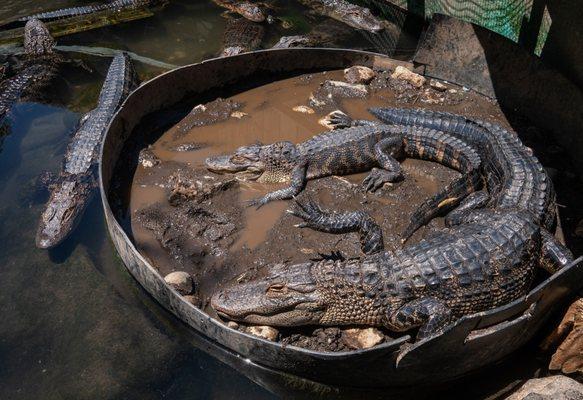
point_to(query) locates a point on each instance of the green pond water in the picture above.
(74, 324)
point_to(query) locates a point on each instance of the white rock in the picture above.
(556, 387)
(435, 84)
(303, 109)
(409, 76)
(359, 74)
(181, 281)
(362, 338)
(265, 332)
(238, 114)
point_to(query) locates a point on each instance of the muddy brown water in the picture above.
(267, 236)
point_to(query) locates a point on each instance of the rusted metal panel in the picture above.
(458, 351)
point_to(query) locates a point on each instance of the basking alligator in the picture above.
(486, 259)
(241, 36)
(345, 151)
(341, 10)
(515, 179)
(64, 13)
(77, 180)
(38, 68)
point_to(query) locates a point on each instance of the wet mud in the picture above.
(185, 218)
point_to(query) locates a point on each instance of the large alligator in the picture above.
(345, 151)
(40, 64)
(241, 36)
(487, 257)
(64, 13)
(351, 14)
(77, 180)
(515, 179)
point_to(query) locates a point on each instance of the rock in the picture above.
(344, 89)
(233, 325)
(181, 281)
(435, 84)
(147, 158)
(265, 332)
(239, 114)
(359, 74)
(568, 357)
(404, 74)
(550, 388)
(303, 109)
(362, 338)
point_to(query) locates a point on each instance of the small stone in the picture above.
(238, 114)
(181, 281)
(147, 158)
(404, 74)
(435, 84)
(359, 74)
(556, 387)
(303, 109)
(265, 332)
(362, 338)
(233, 325)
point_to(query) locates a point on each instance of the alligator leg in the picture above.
(297, 184)
(474, 200)
(339, 119)
(554, 255)
(429, 314)
(391, 168)
(442, 202)
(371, 235)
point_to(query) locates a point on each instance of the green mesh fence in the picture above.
(506, 17)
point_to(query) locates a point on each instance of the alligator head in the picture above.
(314, 293)
(287, 296)
(269, 163)
(62, 213)
(250, 11)
(37, 38)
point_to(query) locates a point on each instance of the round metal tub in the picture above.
(474, 342)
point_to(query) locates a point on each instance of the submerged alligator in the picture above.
(77, 180)
(486, 258)
(64, 13)
(351, 14)
(247, 10)
(39, 66)
(241, 36)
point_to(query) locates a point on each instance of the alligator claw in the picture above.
(338, 119)
(377, 178)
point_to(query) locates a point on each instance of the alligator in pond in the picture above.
(65, 13)
(348, 151)
(485, 259)
(329, 33)
(246, 9)
(40, 65)
(341, 10)
(78, 179)
(241, 36)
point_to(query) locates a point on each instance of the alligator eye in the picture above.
(276, 288)
(237, 159)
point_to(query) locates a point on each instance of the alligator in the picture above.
(515, 179)
(487, 261)
(40, 65)
(247, 10)
(341, 10)
(484, 259)
(346, 151)
(78, 178)
(328, 33)
(241, 36)
(65, 13)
